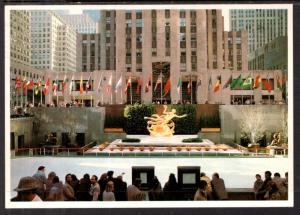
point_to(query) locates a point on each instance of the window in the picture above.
(167, 14)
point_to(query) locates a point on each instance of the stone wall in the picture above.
(22, 126)
(231, 116)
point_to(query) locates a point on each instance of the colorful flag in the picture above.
(71, 83)
(228, 82)
(284, 80)
(218, 84)
(18, 83)
(257, 81)
(28, 84)
(108, 87)
(47, 84)
(167, 86)
(88, 84)
(209, 83)
(189, 86)
(118, 85)
(238, 82)
(147, 87)
(54, 87)
(81, 85)
(158, 81)
(128, 84)
(179, 83)
(37, 87)
(279, 84)
(267, 85)
(139, 84)
(64, 84)
(247, 84)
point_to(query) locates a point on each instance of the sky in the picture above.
(225, 13)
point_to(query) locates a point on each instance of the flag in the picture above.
(218, 84)
(284, 80)
(54, 87)
(29, 83)
(108, 87)
(257, 82)
(139, 84)
(189, 86)
(64, 84)
(88, 84)
(18, 83)
(267, 85)
(247, 84)
(209, 83)
(147, 87)
(71, 83)
(238, 82)
(228, 82)
(47, 84)
(279, 84)
(128, 84)
(167, 86)
(37, 87)
(119, 83)
(179, 83)
(158, 81)
(81, 85)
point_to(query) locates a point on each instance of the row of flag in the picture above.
(237, 83)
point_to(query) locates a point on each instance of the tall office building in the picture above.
(53, 42)
(81, 23)
(262, 25)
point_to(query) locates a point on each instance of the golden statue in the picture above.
(162, 125)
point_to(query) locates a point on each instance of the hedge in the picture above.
(210, 121)
(114, 122)
(131, 140)
(188, 124)
(134, 118)
(192, 140)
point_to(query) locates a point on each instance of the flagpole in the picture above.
(41, 96)
(221, 89)
(161, 87)
(130, 91)
(121, 88)
(191, 89)
(33, 97)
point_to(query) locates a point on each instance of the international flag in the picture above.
(158, 81)
(37, 87)
(279, 84)
(228, 83)
(257, 81)
(189, 86)
(267, 85)
(47, 84)
(81, 85)
(247, 84)
(28, 84)
(54, 87)
(71, 83)
(108, 87)
(18, 83)
(88, 84)
(179, 83)
(217, 84)
(147, 87)
(139, 84)
(238, 82)
(118, 85)
(64, 84)
(167, 86)
(128, 84)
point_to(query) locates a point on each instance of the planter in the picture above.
(131, 149)
(142, 149)
(179, 149)
(151, 148)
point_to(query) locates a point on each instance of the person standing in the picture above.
(265, 187)
(171, 189)
(218, 188)
(41, 177)
(257, 185)
(134, 193)
(95, 188)
(108, 194)
(49, 183)
(27, 190)
(120, 189)
(68, 190)
(201, 193)
(102, 183)
(280, 183)
(84, 188)
(204, 177)
(56, 192)
(155, 193)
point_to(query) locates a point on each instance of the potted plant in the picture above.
(151, 148)
(169, 148)
(131, 148)
(179, 148)
(142, 148)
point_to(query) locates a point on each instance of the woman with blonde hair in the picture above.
(108, 194)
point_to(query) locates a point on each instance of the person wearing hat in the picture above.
(41, 178)
(26, 189)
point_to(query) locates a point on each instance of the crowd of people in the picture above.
(109, 188)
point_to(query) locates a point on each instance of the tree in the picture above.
(253, 123)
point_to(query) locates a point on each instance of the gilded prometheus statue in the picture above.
(162, 125)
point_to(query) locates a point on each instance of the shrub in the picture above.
(188, 124)
(131, 140)
(192, 140)
(210, 121)
(134, 118)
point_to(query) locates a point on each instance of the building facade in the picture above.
(272, 55)
(95, 15)
(88, 52)
(53, 42)
(262, 25)
(81, 23)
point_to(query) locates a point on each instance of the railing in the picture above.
(150, 151)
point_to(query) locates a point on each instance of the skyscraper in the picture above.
(262, 25)
(81, 23)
